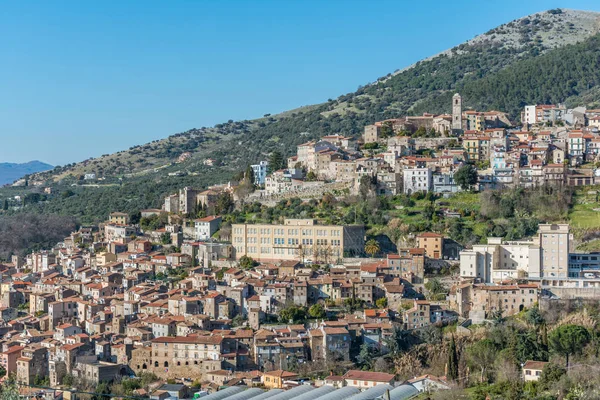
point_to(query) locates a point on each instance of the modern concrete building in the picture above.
(545, 256)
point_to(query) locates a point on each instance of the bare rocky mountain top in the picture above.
(547, 29)
(553, 28)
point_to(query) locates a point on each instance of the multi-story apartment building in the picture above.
(417, 180)
(330, 342)
(41, 261)
(8, 359)
(206, 227)
(543, 113)
(118, 218)
(576, 144)
(432, 243)
(477, 146)
(554, 243)
(297, 239)
(32, 363)
(419, 316)
(408, 264)
(307, 153)
(475, 120)
(260, 172)
(59, 311)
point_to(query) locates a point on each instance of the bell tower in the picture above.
(457, 112)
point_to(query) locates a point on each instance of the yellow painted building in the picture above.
(297, 239)
(118, 218)
(471, 145)
(275, 379)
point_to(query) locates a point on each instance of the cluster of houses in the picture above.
(118, 300)
(554, 145)
(112, 301)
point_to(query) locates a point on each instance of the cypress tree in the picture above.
(452, 361)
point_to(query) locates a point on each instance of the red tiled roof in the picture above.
(537, 365)
(429, 235)
(368, 376)
(190, 339)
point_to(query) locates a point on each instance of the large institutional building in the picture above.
(546, 257)
(297, 239)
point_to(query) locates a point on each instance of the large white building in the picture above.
(543, 113)
(544, 257)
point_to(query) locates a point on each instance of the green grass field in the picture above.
(585, 212)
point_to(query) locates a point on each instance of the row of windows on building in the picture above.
(290, 232)
(290, 241)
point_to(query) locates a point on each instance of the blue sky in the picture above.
(80, 79)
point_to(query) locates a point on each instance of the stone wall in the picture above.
(315, 190)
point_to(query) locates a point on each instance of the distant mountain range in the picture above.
(10, 172)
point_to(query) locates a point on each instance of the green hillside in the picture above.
(547, 57)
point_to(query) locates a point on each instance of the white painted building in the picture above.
(260, 172)
(417, 180)
(206, 227)
(545, 256)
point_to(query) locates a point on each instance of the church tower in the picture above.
(457, 112)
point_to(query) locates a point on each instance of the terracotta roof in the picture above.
(429, 235)
(190, 339)
(368, 376)
(208, 219)
(335, 331)
(315, 332)
(13, 349)
(538, 365)
(281, 374)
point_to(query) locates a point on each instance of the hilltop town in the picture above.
(553, 145)
(213, 293)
